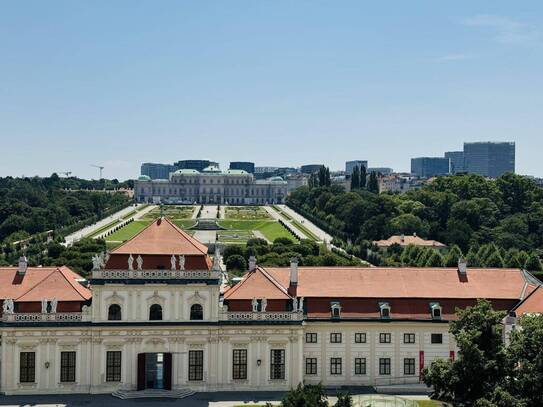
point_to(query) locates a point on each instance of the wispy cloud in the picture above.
(453, 57)
(506, 30)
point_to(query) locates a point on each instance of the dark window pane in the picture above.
(239, 364)
(113, 366)
(67, 366)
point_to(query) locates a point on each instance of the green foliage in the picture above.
(344, 400)
(533, 263)
(486, 373)
(305, 396)
(236, 263)
(467, 211)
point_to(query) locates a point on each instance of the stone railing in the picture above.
(156, 274)
(22, 317)
(261, 316)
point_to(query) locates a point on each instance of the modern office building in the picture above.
(243, 165)
(197, 165)
(157, 171)
(211, 186)
(380, 170)
(158, 314)
(489, 159)
(310, 168)
(426, 167)
(349, 165)
(457, 161)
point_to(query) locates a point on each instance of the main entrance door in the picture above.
(155, 371)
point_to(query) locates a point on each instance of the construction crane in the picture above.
(100, 167)
(66, 173)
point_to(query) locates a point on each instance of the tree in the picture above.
(434, 260)
(452, 257)
(526, 356)
(495, 260)
(305, 396)
(533, 263)
(373, 183)
(362, 177)
(236, 262)
(344, 400)
(481, 363)
(355, 178)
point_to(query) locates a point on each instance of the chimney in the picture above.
(293, 286)
(23, 265)
(462, 267)
(252, 264)
(402, 238)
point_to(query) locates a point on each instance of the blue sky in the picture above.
(118, 83)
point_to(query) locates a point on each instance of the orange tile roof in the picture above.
(258, 284)
(533, 303)
(378, 282)
(162, 237)
(408, 240)
(42, 283)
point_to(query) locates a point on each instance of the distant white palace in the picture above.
(211, 186)
(158, 315)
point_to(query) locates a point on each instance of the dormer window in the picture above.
(384, 309)
(435, 309)
(336, 309)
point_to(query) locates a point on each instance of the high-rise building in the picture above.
(197, 165)
(310, 168)
(349, 165)
(243, 165)
(425, 167)
(457, 161)
(380, 170)
(489, 159)
(157, 171)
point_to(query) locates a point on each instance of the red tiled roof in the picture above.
(42, 283)
(533, 303)
(408, 240)
(379, 282)
(162, 237)
(258, 284)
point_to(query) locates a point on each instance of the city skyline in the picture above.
(277, 84)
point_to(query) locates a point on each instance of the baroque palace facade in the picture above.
(158, 313)
(211, 186)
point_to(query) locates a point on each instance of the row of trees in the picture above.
(30, 206)
(359, 180)
(468, 211)
(279, 253)
(320, 178)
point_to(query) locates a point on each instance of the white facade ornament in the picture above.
(130, 262)
(173, 262)
(139, 262)
(254, 303)
(264, 304)
(301, 305)
(44, 306)
(294, 304)
(217, 260)
(8, 306)
(181, 262)
(54, 303)
(97, 262)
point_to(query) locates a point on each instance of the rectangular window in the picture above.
(335, 366)
(277, 365)
(437, 338)
(360, 337)
(384, 366)
(310, 366)
(27, 363)
(311, 337)
(239, 364)
(409, 366)
(67, 366)
(335, 338)
(196, 365)
(384, 338)
(408, 338)
(360, 366)
(113, 366)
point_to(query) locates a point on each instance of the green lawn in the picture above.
(305, 230)
(273, 230)
(172, 212)
(428, 403)
(128, 231)
(234, 236)
(184, 223)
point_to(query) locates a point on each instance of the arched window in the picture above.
(155, 312)
(196, 312)
(114, 312)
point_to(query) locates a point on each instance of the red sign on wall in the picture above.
(421, 364)
(451, 355)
